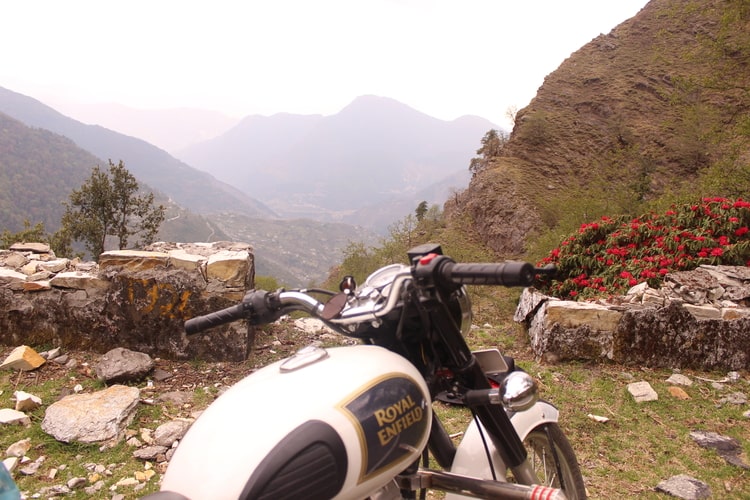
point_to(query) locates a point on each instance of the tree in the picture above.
(421, 210)
(492, 146)
(108, 204)
(28, 234)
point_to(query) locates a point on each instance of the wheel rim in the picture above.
(542, 459)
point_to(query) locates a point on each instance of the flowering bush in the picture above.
(611, 255)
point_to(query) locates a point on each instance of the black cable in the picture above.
(486, 447)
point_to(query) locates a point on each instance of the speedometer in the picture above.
(384, 276)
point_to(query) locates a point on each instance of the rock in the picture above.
(311, 326)
(14, 261)
(123, 365)
(11, 417)
(679, 379)
(736, 398)
(150, 452)
(133, 260)
(92, 418)
(19, 448)
(230, 267)
(29, 268)
(138, 300)
(703, 311)
(642, 392)
(167, 433)
(11, 463)
(33, 467)
(36, 285)
(728, 448)
(76, 482)
(63, 359)
(23, 358)
(573, 314)
(161, 375)
(51, 354)
(54, 266)
(176, 398)
(26, 401)
(182, 259)
(79, 281)
(697, 319)
(30, 247)
(678, 392)
(128, 481)
(685, 487)
(147, 436)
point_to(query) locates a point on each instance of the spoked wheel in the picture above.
(554, 461)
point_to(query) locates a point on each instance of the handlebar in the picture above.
(261, 307)
(505, 273)
(233, 313)
(441, 269)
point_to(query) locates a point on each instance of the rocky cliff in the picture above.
(659, 105)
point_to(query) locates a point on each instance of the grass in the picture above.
(641, 445)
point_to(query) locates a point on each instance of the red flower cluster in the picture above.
(613, 254)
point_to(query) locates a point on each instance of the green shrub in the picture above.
(611, 255)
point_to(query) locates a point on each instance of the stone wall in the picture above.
(133, 299)
(697, 319)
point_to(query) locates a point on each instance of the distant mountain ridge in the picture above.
(327, 167)
(170, 129)
(189, 187)
(39, 169)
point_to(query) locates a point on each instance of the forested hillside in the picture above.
(191, 188)
(38, 170)
(656, 111)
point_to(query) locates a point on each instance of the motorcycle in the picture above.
(357, 421)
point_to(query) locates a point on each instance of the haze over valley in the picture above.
(298, 187)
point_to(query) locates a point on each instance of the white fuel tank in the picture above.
(324, 423)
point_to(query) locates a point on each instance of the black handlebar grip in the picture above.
(504, 273)
(200, 323)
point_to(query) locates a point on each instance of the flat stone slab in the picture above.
(685, 487)
(642, 392)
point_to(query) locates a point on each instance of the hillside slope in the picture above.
(186, 185)
(38, 171)
(658, 107)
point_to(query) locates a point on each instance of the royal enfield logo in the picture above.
(391, 420)
(397, 418)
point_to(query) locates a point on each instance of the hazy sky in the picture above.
(444, 58)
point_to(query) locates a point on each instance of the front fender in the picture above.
(471, 457)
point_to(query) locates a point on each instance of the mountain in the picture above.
(38, 171)
(189, 187)
(327, 167)
(656, 110)
(169, 129)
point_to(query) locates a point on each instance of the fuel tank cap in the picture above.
(304, 357)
